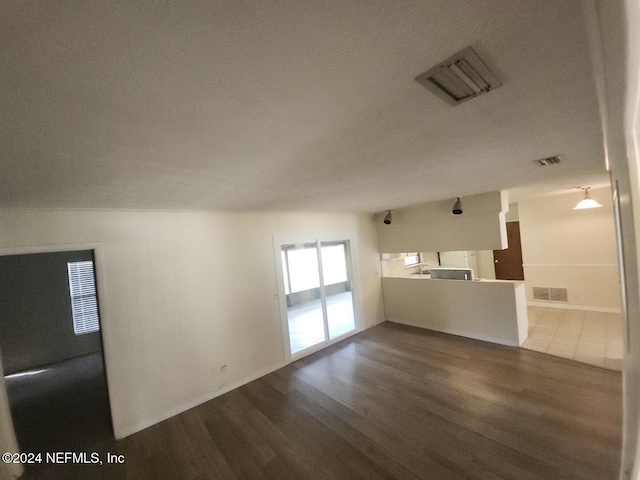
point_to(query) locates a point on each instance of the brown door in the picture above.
(508, 263)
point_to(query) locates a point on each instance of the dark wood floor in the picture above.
(63, 408)
(392, 402)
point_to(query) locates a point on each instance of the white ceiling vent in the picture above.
(459, 78)
(543, 162)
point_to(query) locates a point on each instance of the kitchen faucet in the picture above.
(422, 266)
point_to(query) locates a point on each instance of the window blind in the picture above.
(84, 304)
(411, 259)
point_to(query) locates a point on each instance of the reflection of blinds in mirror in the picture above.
(84, 305)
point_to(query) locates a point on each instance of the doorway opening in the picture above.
(317, 286)
(508, 262)
(52, 354)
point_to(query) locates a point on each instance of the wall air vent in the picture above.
(558, 295)
(540, 293)
(460, 77)
(543, 162)
(551, 294)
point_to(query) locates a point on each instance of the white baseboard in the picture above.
(574, 307)
(125, 432)
(376, 322)
(475, 336)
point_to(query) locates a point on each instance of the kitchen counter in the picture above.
(426, 276)
(489, 310)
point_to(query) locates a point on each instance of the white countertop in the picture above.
(421, 276)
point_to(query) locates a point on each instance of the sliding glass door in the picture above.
(318, 288)
(304, 303)
(337, 288)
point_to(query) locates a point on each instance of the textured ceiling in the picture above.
(286, 105)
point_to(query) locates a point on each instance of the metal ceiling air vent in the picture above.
(543, 162)
(460, 77)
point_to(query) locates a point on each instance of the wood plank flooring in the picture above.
(393, 402)
(65, 407)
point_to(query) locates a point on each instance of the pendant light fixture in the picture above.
(587, 201)
(457, 207)
(387, 218)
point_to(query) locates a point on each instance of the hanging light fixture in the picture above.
(587, 201)
(457, 207)
(387, 218)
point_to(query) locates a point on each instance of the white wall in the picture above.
(492, 311)
(182, 294)
(395, 267)
(486, 265)
(455, 259)
(631, 449)
(614, 41)
(431, 227)
(572, 249)
(513, 214)
(618, 21)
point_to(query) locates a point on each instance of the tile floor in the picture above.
(584, 336)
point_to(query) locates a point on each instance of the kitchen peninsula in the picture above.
(490, 310)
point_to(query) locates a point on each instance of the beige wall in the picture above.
(395, 267)
(572, 249)
(620, 93)
(493, 311)
(182, 294)
(631, 446)
(486, 266)
(513, 214)
(431, 227)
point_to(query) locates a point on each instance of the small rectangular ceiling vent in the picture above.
(543, 162)
(460, 77)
